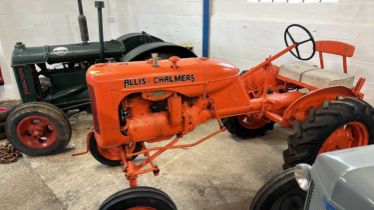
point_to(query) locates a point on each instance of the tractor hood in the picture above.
(346, 176)
(23, 55)
(189, 76)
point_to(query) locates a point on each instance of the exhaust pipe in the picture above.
(100, 5)
(83, 23)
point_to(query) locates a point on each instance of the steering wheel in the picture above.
(287, 35)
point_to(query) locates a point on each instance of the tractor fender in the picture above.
(133, 40)
(314, 99)
(144, 51)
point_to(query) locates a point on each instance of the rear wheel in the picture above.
(337, 125)
(108, 156)
(38, 128)
(280, 193)
(247, 126)
(139, 198)
(2, 131)
(7, 107)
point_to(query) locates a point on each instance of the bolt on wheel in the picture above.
(352, 134)
(38, 128)
(341, 124)
(37, 132)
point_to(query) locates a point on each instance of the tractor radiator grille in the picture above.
(314, 199)
(91, 93)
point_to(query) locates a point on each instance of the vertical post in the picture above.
(100, 5)
(321, 60)
(1, 78)
(206, 28)
(345, 68)
(82, 23)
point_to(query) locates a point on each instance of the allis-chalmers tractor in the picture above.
(135, 104)
(51, 81)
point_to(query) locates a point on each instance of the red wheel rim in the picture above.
(251, 122)
(37, 132)
(350, 135)
(3, 109)
(113, 153)
(142, 208)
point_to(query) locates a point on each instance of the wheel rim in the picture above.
(3, 109)
(350, 135)
(141, 208)
(251, 122)
(110, 153)
(37, 132)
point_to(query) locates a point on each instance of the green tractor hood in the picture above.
(23, 55)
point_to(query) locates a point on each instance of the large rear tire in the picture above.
(145, 198)
(337, 125)
(246, 126)
(280, 193)
(38, 128)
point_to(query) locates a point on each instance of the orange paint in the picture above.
(137, 102)
(350, 135)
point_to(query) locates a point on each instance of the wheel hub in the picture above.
(349, 135)
(251, 122)
(37, 132)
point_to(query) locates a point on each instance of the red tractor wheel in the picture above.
(6, 107)
(340, 124)
(139, 198)
(109, 157)
(247, 126)
(38, 128)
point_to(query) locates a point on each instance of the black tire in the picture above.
(280, 193)
(144, 51)
(2, 127)
(2, 136)
(2, 131)
(310, 135)
(7, 107)
(133, 40)
(99, 157)
(39, 109)
(138, 196)
(233, 125)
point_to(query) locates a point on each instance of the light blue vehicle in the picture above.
(339, 180)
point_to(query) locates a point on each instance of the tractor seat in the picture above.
(313, 76)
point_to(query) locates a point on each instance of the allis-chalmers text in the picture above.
(159, 80)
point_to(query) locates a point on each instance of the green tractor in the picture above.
(51, 82)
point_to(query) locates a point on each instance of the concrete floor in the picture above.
(222, 173)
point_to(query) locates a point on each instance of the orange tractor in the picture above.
(138, 103)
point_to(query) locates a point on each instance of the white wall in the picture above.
(242, 33)
(52, 22)
(245, 33)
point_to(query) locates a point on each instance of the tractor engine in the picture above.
(159, 115)
(156, 100)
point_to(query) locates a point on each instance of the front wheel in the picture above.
(280, 193)
(247, 126)
(38, 128)
(339, 124)
(139, 198)
(108, 156)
